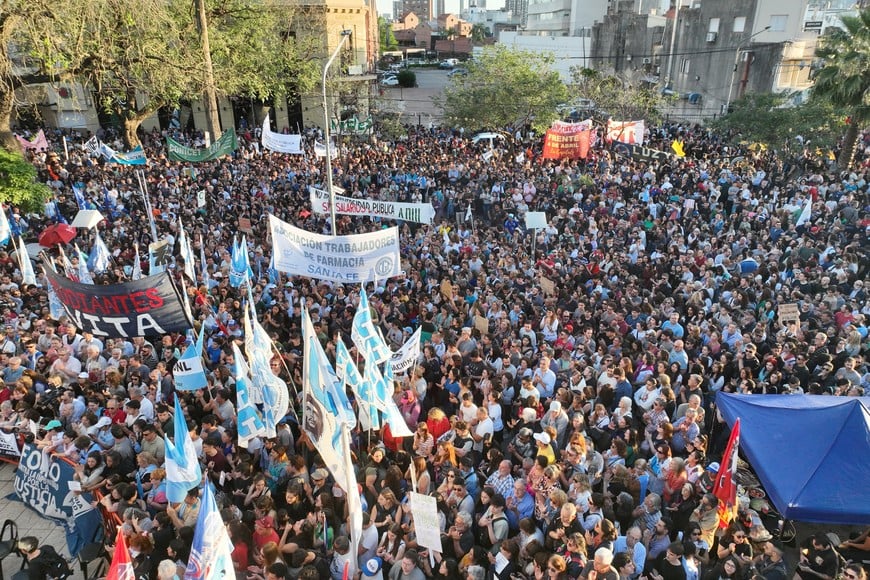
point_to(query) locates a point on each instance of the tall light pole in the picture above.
(740, 48)
(345, 34)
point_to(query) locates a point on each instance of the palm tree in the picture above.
(845, 77)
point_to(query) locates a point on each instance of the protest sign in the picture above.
(149, 306)
(223, 146)
(421, 213)
(426, 523)
(42, 483)
(348, 259)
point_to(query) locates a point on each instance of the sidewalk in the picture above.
(29, 524)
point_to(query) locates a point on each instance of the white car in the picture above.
(490, 138)
(390, 81)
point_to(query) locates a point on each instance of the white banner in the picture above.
(407, 356)
(348, 259)
(279, 142)
(426, 523)
(631, 132)
(420, 213)
(320, 149)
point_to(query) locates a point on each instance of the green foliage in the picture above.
(18, 184)
(618, 97)
(504, 87)
(388, 39)
(845, 77)
(407, 78)
(479, 32)
(768, 119)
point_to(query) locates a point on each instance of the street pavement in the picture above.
(415, 105)
(29, 523)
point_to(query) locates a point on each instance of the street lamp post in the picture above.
(345, 34)
(740, 48)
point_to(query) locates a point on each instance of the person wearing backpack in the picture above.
(43, 562)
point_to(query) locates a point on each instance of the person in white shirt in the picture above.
(645, 396)
(483, 429)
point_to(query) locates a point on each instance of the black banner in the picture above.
(640, 152)
(149, 306)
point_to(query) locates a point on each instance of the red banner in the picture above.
(725, 485)
(568, 140)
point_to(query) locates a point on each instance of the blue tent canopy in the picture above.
(811, 452)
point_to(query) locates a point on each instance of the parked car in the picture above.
(448, 63)
(390, 81)
(488, 138)
(458, 72)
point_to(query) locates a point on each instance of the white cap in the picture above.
(542, 438)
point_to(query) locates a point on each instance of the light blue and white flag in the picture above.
(394, 418)
(211, 551)
(249, 422)
(186, 252)
(137, 265)
(83, 274)
(188, 371)
(364, 334)
(203, 264)
(240, 267)
(363, 390)
(183, 472)
(5, 231)
(275, 398)
(79, 194)
(55, 308)
(100, 255)
(330, 390)
(27, 274)
(319, 422)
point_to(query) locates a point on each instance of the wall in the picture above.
(572, 50)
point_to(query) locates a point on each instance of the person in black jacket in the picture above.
(43, 562)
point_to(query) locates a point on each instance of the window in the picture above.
(778, 22)
(684, 66)
(740, 24)
(714, 25)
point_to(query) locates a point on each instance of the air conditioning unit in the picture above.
(711, 36)
(647, 61)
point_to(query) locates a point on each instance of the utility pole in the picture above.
(209, 95)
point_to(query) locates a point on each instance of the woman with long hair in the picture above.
(445, 460)
(391, 548)
(424, 479)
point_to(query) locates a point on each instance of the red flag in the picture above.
(122, 565)
(725, 485)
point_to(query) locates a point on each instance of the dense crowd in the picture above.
(563, 406)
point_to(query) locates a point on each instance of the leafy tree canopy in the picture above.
(18, 185)
(619, 97)
(769, 119)
(504, 87)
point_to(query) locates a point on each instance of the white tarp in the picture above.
(348, 259)
(279, 142)
(87, 218)
(420, 213)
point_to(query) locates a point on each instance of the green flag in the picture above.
(223, 146)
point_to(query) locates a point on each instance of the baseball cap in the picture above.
(555, 406)
(713, 467)
(373, 568)
(542, 438)
(319, 473)
(53, 424)
(83, 375)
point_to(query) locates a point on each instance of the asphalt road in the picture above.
(415, 105)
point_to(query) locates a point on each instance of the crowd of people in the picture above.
(563, 407)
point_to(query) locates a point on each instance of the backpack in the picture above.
(55, 566)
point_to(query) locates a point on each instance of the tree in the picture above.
(22, 23)
(388, 39)
(18, 185)
(619, 97)
(479, 32)
(504, 87)
(845, 77)
(769, 119)
(407, 78)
